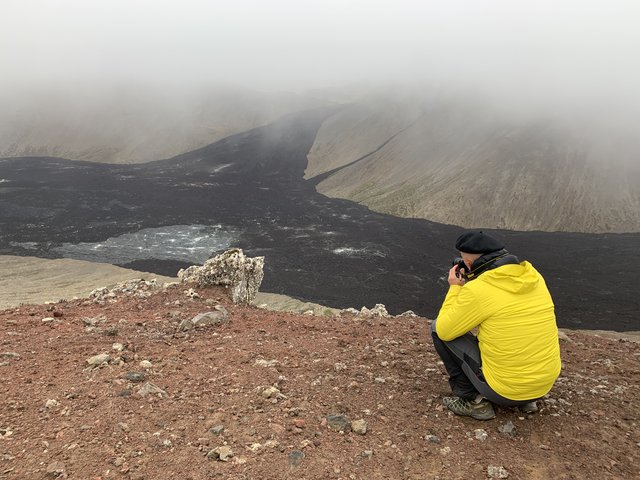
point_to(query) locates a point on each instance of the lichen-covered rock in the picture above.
(378, 311)
(136, 287)
(232, 269)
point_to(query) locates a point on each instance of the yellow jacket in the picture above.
(517, 331)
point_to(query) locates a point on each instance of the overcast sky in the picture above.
(562, 50)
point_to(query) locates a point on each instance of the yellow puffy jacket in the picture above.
(517, 331)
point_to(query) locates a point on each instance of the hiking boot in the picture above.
(483, 410)
(529, 407)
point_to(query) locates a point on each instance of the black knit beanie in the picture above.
(476, 241)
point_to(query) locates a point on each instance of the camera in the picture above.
(462, 267)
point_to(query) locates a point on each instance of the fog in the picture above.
(578, 56)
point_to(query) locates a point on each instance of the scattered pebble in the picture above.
(118, 347)
(272, 392)
(339, 366)
(224, 454)
(295, 458)
(497, 472)
(146, 364)
(338, 423)
(51, 403)
(432, 438)
(359, 427)
(98, 360)
(508, 429)
(481, 434)
(55, 469)
(48, 320)
(217, 429)
(135, 377)
(151, 389)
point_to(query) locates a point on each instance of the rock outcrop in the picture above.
(241, 275)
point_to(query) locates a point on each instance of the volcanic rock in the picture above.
(232, 269)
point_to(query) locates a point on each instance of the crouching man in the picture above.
(515, 358)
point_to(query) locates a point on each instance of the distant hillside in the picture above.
(132, 125)
(466, 164)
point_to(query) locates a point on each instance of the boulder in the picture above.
(232, 269)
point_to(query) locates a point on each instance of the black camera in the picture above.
(462, 267)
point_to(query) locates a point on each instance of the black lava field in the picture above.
(250, 188)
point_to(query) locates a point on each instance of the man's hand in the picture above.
(455, 278)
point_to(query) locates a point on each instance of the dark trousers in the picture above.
(462, 360)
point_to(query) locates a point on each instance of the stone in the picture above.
(124, 426)
(135, 377)
(367, 454)
(151, 389)
(481, 434)
(408, 313)
(564, 337)
(338, 423)
(497, 472)
(217, 429)
(232, 269)
(191, 293)
(295, 458)
(48, 320)
(267, 363)
(217, 317)
(146, 364)
(359, 427)
(98, 360)
(272, 392)
(118, 347)
(223, 454)
(378, 311)
(185, 325)
(11, 355)
(93, 321)
(55, 469)
(508, 429)
(118, 462)
(350, 310)
(432, 438)
(339, 366)
(51, 403)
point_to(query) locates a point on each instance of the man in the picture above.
(515, 358)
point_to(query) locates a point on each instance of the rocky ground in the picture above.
(256, 394)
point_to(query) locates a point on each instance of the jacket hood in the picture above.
(516, 278)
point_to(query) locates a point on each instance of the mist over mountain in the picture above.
(131, 123)
(466, 162)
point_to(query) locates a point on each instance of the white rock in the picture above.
(146, 364)
(497, 472)
(98, 360)
(48, 320)
(118, 347)
(51, 403)
(240, 274)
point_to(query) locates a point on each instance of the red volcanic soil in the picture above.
(61, 418)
